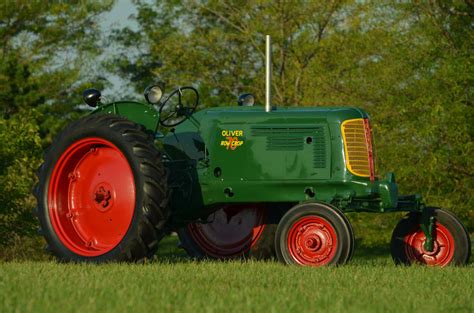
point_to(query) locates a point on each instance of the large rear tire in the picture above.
(314, 234)
(233, 231)
(102, 192)
(452, 245)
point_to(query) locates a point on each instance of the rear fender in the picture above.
(140, 113)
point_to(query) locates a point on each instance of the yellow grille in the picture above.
(357, 147)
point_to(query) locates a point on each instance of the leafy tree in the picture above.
(47, 50)
(219, 45)
(19, 158)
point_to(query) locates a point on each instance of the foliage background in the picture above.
(410, 65)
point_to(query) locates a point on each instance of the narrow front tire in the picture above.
(452, 245)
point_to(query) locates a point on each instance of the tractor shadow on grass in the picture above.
(365, 251)
(169, 252)
(371, 253)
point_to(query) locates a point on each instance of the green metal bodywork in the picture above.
(289, 155)
(140, 113)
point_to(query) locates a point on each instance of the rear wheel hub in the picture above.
(103, 197)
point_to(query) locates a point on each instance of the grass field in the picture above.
(173, 283)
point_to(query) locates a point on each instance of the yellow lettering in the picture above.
(232, 133)
(232, 138)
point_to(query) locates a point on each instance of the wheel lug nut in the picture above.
(71, 215)
(72, 176)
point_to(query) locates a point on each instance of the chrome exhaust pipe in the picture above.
(268, 74)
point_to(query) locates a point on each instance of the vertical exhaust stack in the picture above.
(268, 74)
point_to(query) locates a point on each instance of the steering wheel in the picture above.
(175, 111)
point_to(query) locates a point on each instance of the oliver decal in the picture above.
(231, 139)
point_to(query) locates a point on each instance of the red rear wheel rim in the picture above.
(91, 197)
(312, 240)
(443, 247)
(233, 230)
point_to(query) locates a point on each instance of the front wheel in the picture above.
(450, 238)
(314, 234)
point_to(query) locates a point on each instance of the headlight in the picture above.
(246, 99)
(153, 94)
(91, 97)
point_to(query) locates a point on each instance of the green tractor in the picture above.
(240, 181)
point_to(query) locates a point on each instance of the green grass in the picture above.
(173, 283)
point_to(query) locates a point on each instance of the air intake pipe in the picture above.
(268, 73)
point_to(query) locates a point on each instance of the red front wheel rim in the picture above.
(443, 247)
(312, 240)
(232, 231)
(91, 197)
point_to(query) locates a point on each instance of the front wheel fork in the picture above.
(427, 225)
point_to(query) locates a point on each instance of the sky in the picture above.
(117, 17)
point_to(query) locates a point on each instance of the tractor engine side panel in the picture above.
(252, 151)
(246, 155)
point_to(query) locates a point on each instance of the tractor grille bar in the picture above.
(358, 147)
